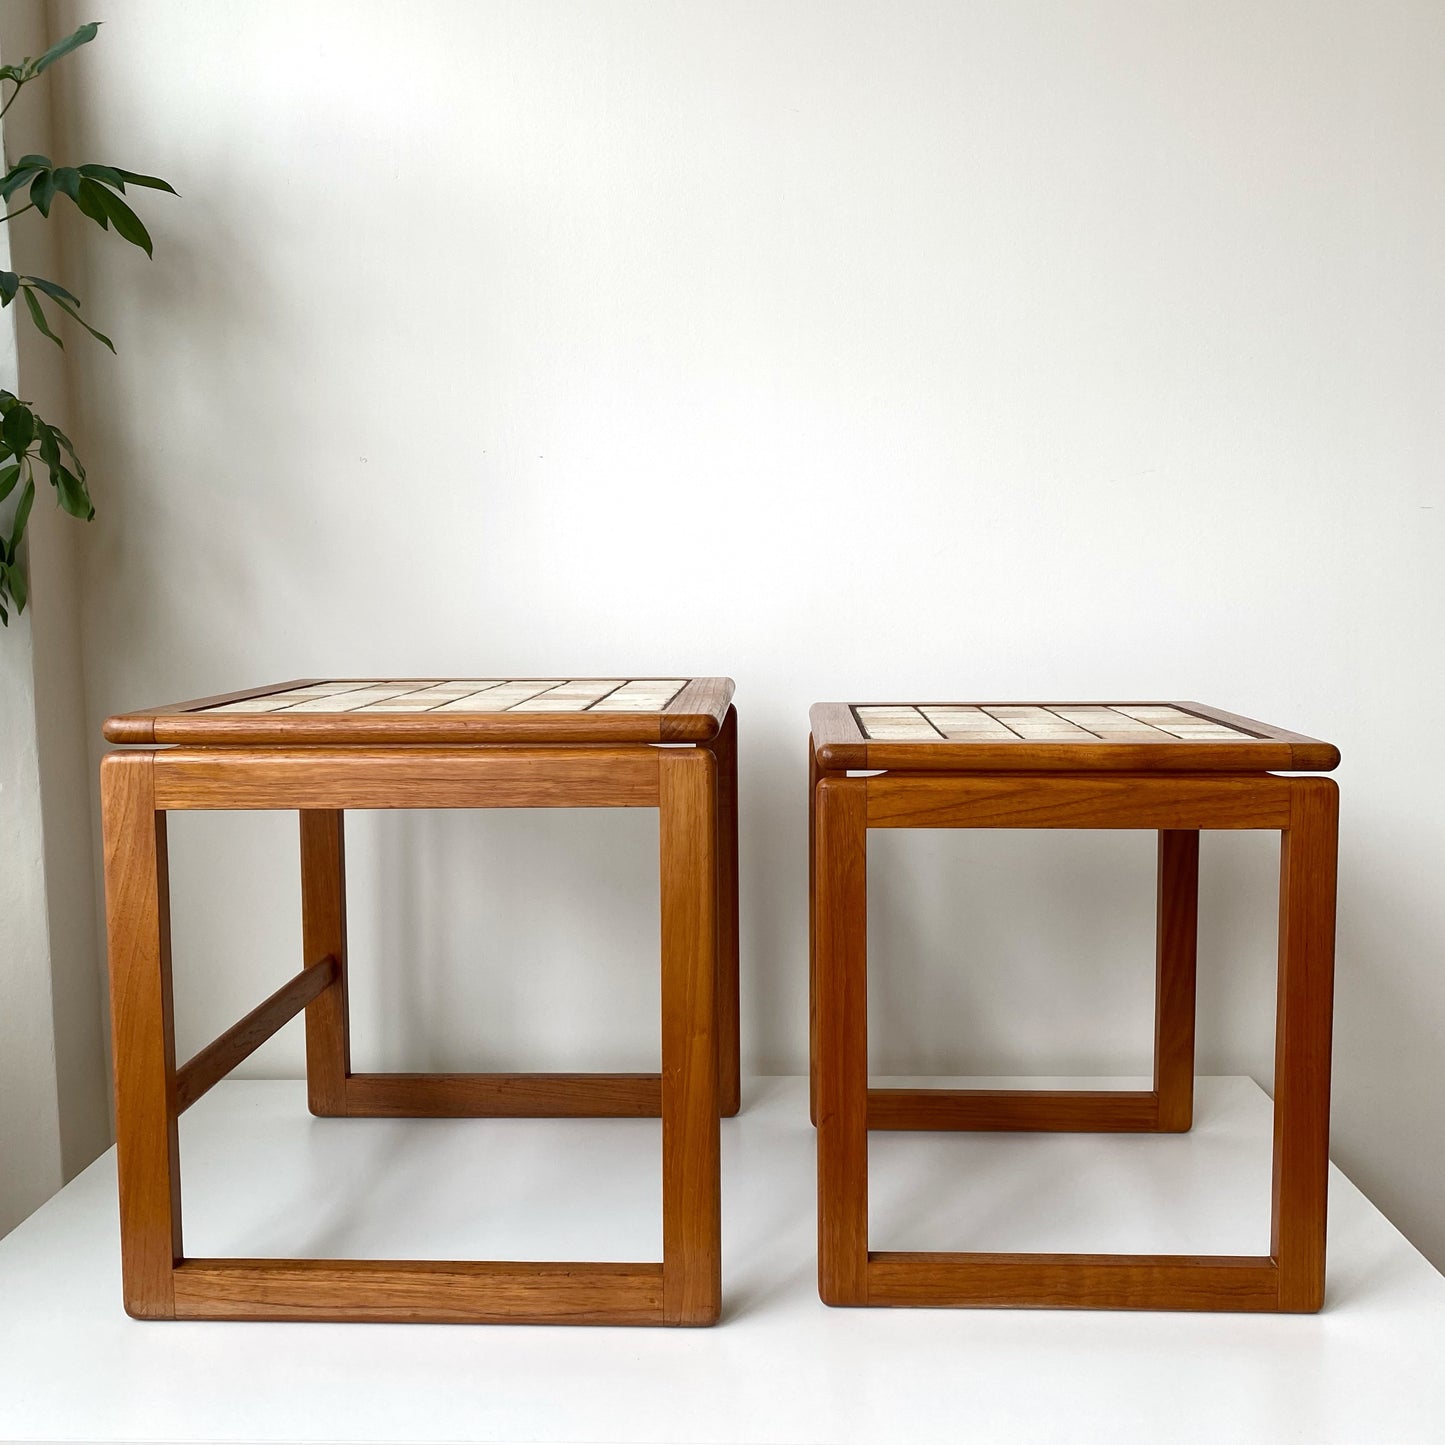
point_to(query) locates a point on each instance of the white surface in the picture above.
(1071, 348)
(263, 1177)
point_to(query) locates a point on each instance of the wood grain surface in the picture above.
(1175, 961)
(241, 1040)
(691, 1141)
(1081, 801)
(407, 777)
(323, 935)
(841, 997)
(419, 1291)
(504, 1096)
(1303, 1028)
(137, 902)
(1074, 1281)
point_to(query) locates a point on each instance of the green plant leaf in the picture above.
(16, 177)
(73, 41)
(22, 516)
(35, 162)
(11, 72)
(155, 183)
(69, 446)
(42, 192)
(100, 336)
(127, 224)
(108, 174)
(18, 428)
(91, 200)
(53, 289)
(8, 477)
(16, 579)
(9, 285)
(73, 496)
(32, 301)
(67, 179)
(49, 449)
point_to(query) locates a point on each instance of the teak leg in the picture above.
(1174, 974)
(813, 775)
(323, 932)
(691, 1142)
(729, 1013)
(841, 993)
(138, 932)
(1302, 1043)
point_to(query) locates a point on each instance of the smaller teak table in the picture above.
(321, 747)
(1172, 767)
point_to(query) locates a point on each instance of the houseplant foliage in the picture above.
(28, 443)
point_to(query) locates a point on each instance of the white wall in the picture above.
(53, 1115)
(851, 349)
(30, 1168)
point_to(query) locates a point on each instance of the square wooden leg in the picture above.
(813, 775)
(1175, 957)
(1303, 1028)
(725, 749)
(143, 1034)
(691, 1142)
(841, 996)
(323, 933)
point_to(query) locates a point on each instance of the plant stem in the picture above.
(10, 215)
(11, 101)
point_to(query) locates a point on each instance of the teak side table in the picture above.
(321, 747)
(1172, 767)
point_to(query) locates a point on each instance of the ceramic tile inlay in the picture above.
(1029, 722)
(477, 695)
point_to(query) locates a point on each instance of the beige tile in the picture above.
(501, 698)
(355, 700)
(427, 699)
(896, 724)
(275, 701)
(570, 697)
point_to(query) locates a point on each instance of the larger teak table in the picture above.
(1172, 767)
(321, 747)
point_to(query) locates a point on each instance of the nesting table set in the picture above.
(323, 746)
